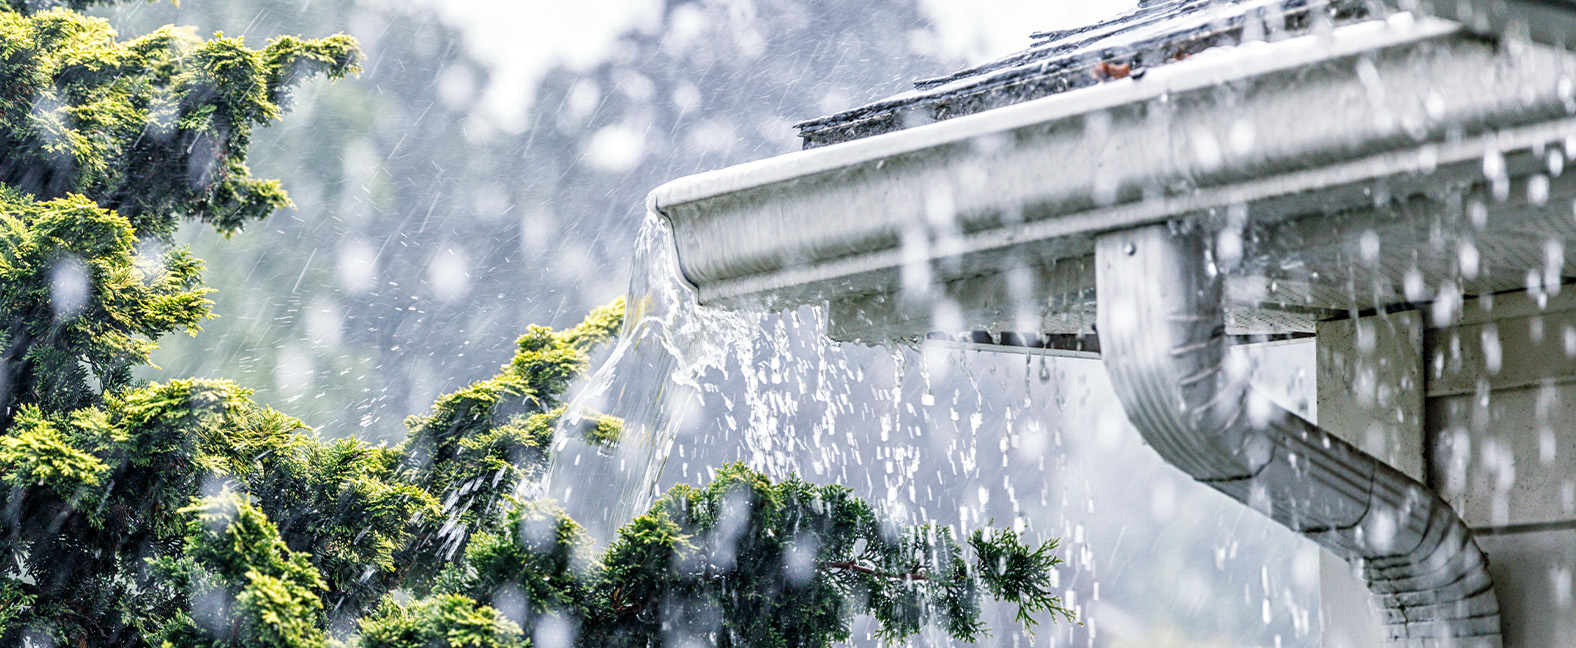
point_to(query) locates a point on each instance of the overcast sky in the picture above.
(524, 38)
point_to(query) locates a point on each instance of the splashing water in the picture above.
(650, 381)
(764, 386)
(931, 434)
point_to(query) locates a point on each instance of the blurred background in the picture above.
(488, 171)
(489, 167)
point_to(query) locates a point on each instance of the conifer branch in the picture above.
(854, 566)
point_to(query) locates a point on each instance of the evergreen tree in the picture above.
(182, 513)
(400, 173)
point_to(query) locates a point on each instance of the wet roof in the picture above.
(1154, 33)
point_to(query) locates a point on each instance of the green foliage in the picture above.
(484, 439)
(749, 562)
(82, 301)
(38, 454)
(602, 430)
(790, 564)
(154, 128)
(444, 621)
(104, 145)
(539, 557)
(88, 494)
(242, 585)
(14, 605)
(1010, 570)
(91, 492)
(182, 513)
(548, 360)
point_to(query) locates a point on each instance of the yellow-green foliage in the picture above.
(36, 453)
(154, 128)
(251, 588)
(444, 621)
(495, 433)
(302, 530)
(548, 360)
(81, 300)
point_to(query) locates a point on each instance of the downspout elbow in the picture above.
(1162, 336)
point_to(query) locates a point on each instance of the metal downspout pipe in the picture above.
(1162, 335)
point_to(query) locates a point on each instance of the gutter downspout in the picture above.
(1162, 335)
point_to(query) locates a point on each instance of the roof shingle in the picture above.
(1154, 33)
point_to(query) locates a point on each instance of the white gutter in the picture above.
(1300, 126)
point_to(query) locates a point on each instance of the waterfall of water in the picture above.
(650, 381)
(959, 438)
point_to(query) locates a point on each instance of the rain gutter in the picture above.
(1297, 129)
(1312, 124)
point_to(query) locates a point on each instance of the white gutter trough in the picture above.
(1310, 178)
(1301, 133)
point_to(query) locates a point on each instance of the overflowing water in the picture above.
(962, 438)
(651, 380)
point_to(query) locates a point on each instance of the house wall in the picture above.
(1369, 377)
(1483, 410)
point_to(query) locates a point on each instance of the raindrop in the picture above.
(1228, 248)
(1468, 256)
(1494, 166)
(1560, 577)
(1553, 265)
(1414, 286)
(357, 266)
(449, 273)
(1241, 137)
(553, 632)
(1477, 212)
(1447, 305)
(1538, 189)
(68, 287)
(1493, 356)
(1206, 150)
(616, 149)
(1369, 246)
(1434, 105)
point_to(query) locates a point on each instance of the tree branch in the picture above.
(854, 566)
